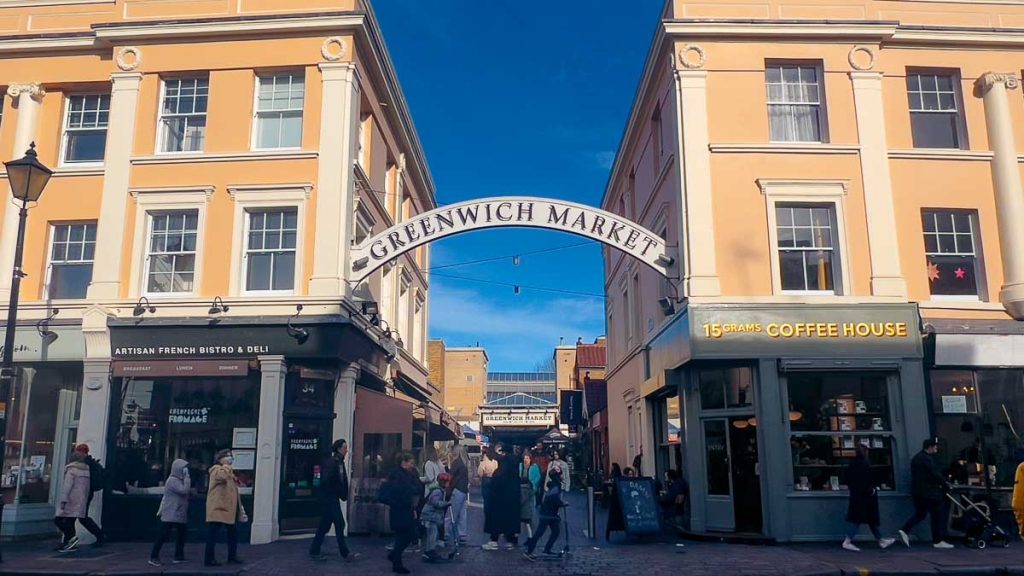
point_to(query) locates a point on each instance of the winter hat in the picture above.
(83, 448)
(444, 478)
(221, 454)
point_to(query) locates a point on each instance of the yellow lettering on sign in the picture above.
(789, 330)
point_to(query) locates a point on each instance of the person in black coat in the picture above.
(405, 493)
(928, 488)
(863, 508)
(333, 491)
(503, 501)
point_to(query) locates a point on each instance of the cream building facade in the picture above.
(841, 184)
(215, 163)
(465, 383)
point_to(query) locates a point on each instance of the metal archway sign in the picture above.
(511, 211)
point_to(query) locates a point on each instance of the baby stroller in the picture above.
(975, 522)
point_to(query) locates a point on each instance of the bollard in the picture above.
(591, 515)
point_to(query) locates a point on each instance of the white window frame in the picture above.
(627, 309)
(148, 200)
(809, 192)
(959, 112)
(364, 221)
(979, 261)
(361, 158)
(260, 78)
(65, 131)
(402, 321)
(419, 312)
(262, 197)
(823, 134)
(160, 127)
(49, 255)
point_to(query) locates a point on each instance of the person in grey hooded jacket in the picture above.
(173, 512)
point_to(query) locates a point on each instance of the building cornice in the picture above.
(840, 29)
(225, 157)
(47, 42)
(240, 25)
(776, 148)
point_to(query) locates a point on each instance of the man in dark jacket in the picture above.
(404, 493)
(458, 493)
(549, 519)
(928, 488)
(333, 491)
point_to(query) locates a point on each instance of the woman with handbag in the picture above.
(223, 508)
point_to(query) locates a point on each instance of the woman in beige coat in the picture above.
(223, 508)
(74, 500)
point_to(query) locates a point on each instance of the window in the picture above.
(627, 309)
(949, 245)
(183, 114)
(796, 112)
(726, 388)
(403, 319)
(636, 314)
(73, 247)
(364, 225)
(85, 128)
(806, 250)
(279, 102)
(934, 110)
(364, 127)
(658, 138)
(270, 250)
(171, 261)
(830, 414)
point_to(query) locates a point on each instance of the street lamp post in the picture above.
(27, 177)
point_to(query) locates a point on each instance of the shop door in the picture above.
(733, 500)
(307, 442)
(718, 503)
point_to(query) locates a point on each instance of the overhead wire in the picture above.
(522, 286)
(507, 256)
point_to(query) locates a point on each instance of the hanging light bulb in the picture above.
(752, 421)
(740, 424)
(517, 289)
(515, 260)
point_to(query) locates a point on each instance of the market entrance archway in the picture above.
(512, 212)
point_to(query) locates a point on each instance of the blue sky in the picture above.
(518, 98)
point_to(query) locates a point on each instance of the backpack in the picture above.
(97, 475)
(386, 493)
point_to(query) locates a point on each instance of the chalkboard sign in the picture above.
(638, 503)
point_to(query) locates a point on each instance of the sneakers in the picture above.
(885, 543)
(491, 546)
(530, 556)
(904, 538)
(943, 545)
(155, 562)
(352, 557)
(70, 546)
(848, 545)
(510, 546)
(179, 561)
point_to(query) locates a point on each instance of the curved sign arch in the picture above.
(517, 212)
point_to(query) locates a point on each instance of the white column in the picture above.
(110, 235)
(701, 272)
(265, 526)
(93, 423)
(27, 99)
(992, 88)
(344, 421)
(886, 275)
(339, 137)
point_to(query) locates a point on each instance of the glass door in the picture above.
(307, 444)
(718, 502)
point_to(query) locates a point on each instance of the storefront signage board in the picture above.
(227, 341)
(954, 404)
(794, 331)
(171, 368)
(29, 345)
(517, 418)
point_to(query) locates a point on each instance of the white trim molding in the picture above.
(38, 3)
(23, 44)
(158, 199)
(257, 196)
(940, 154)
(779, 148)
(250, 156)
(228, 27)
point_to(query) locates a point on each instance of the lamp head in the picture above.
(28, 176)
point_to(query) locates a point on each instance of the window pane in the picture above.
(85, 146)
(69, 281)
(712, 389)
(838, 402)
(786, 238)
(284, 271)
(945, 83)
(291, 131)
(784, 215)
(183, 282)
(931, 243)
(928, 82)
(802, 216)
(717, 457)
(258, 272)
(773, 74)
(819, 270)
(935, 130)
(791, 268)
(269, 131)
(953, 275)
(947, 245)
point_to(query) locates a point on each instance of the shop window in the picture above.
(978, 414)
(72, 250)
(726, 388)
(717, 457)
(934, 101)
(950, 245)
(796, 112)
(183, 114)
(806, 248)
(279, 102)
(829, 415)
(85, 128)
(171, 262)
(270, 250)
(162, 419)
(41, 430)
(668, 433)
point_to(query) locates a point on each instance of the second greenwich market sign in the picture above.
(528, 212)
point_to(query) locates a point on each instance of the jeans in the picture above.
(66, 527)
(403, 537)
(457, 527)
(852, 528)
(213, 532)
(936, 510)
(330, 515)
(430, 546)
(545, 524)
(165, 534)
(90, 525)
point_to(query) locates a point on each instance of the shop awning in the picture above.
(555, 436)
(439, 424)
(993, 343)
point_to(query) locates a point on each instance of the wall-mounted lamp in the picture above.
(218, 306)
(372, 309)
(300, 334)
(43, 327)
(139, 309)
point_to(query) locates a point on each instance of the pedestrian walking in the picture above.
(97, 481)
(173, 512)
(563, 468)
(458, 495)
(928, 489)
(433, 514)
(334, 490)
(863, 507)
(401, 492)
(74, 500)
(502, 518)
(223, 508)
(529, 478)
(549, 520)
(485, 471)
(1017, 501)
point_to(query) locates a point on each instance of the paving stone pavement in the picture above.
(588, 557)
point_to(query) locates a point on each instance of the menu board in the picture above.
(637, 500)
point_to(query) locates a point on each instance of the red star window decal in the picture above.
(960, 273)
(933, 272)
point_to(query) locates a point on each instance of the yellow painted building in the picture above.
(841, 184)
(465, 383)
(215, 162)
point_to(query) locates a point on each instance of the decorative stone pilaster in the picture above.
(345, 411)
(992, 88)
(27, 99)
(265, 522)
